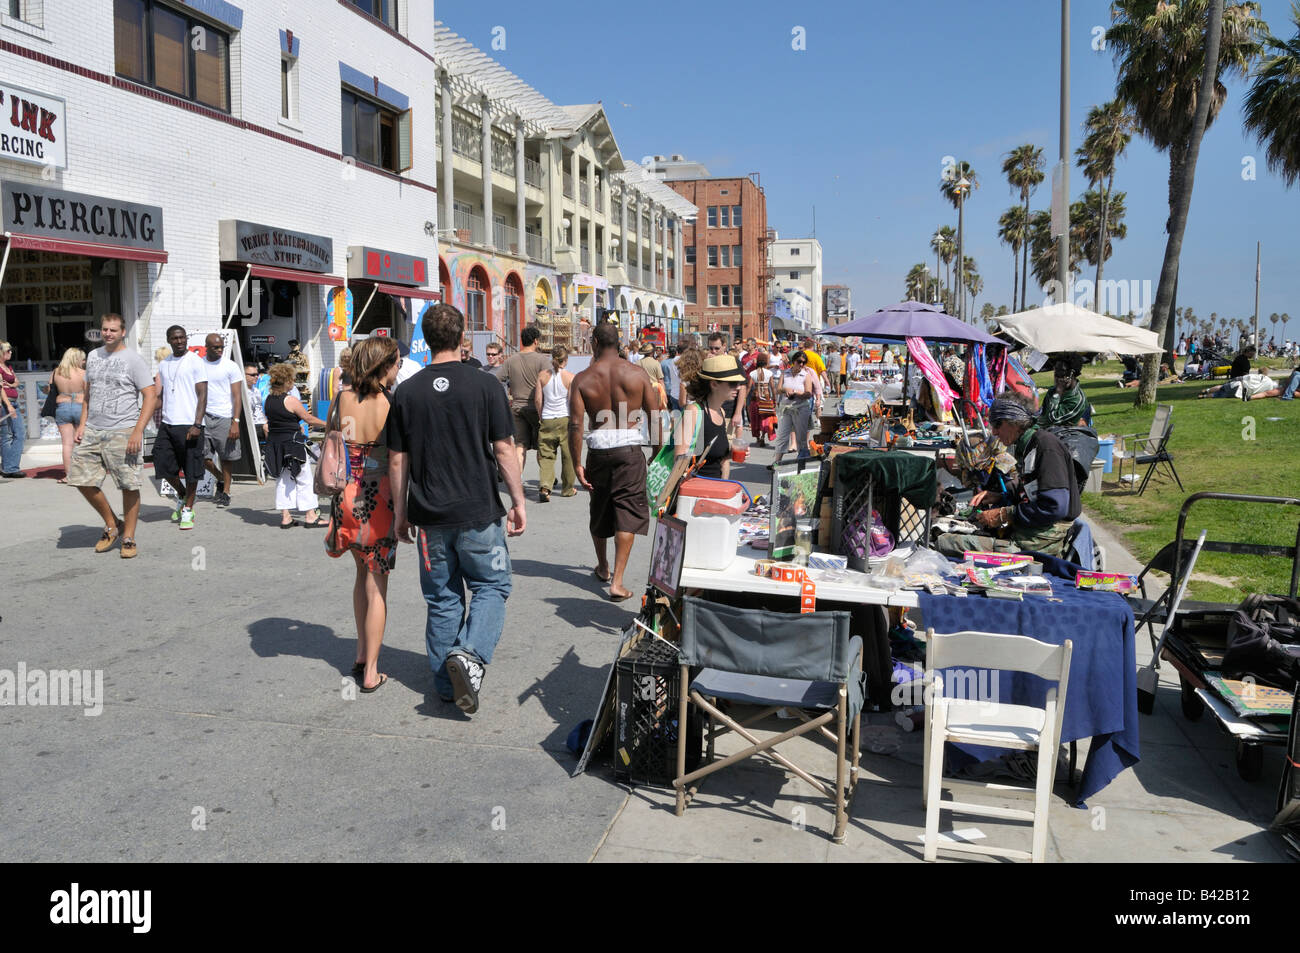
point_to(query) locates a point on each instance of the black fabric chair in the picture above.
(799, 662)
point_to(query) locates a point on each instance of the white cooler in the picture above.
(711, 510)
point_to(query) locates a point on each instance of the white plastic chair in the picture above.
(992, 724)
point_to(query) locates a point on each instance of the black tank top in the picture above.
(278, 419)
(721, 448)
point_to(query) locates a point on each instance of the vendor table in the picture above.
(1101, 702)
(739, 577)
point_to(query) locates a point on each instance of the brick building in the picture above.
(725, 261)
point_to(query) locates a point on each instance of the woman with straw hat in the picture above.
(717, 381)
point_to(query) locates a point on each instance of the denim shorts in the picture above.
(67, 413)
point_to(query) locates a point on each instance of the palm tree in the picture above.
(1013, 230)
(944, 246)
(1094, 229)
(1285, 318)
(1023, 167)
(975, 283)
(1043, 254)
(1109, 127)
(916, 282)
(1272, 105)
(1166, 55)
(950, 185)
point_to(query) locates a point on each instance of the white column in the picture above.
(663, 231)
(448, 205)
(622, 230)
(486, 123)
(636, 217)
(677, 257)
(520, 208)
(654, 248)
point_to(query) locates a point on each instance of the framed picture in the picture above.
(794, 498)
(666, 557)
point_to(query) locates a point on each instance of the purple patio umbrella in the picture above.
(912, 319)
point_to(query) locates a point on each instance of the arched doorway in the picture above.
(478, 300)
(444, 282)
(513, 301)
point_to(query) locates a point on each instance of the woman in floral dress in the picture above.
(362, 521)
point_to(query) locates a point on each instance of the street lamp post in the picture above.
(963, 184)
(938, 241)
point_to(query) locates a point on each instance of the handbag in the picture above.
(334, 471)
(51, 405)
(660, 468)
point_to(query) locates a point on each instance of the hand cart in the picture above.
(1195, 642)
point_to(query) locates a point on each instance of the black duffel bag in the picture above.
(1083, 446)
(1263, 641)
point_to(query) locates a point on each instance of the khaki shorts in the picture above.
(101, 453)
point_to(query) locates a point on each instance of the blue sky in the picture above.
(859, 122)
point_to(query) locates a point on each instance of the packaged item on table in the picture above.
(980, 558)
(827, 561)
(1105, 581)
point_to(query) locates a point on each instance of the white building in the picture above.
(170, 151)
(795, 265)
(598, 233)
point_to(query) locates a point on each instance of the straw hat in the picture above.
(722, 367)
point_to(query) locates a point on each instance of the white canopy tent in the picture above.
(1067, 328)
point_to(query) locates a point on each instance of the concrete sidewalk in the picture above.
(228, 733)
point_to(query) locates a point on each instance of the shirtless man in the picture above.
(612, 397)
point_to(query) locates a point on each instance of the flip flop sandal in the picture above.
(289, 525)
(319, 521)
(358, 671)
(383, 680)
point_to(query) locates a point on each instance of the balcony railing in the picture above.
(584, 193)
(503, 156)
(505, 237)
(616, 211)
(600, 201)
(538, 248)
(533, 174)
(585, 258)
(600, 264)
(568, 185)
(466, 140)
(469, 227)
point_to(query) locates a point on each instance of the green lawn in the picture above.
(1225, 446)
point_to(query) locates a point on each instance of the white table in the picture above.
(739, 577)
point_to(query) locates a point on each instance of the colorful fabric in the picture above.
(362, 520)
(932, 371)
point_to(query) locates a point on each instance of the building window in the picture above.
(735, 216)
(385, 11)
(794, 252)
(689, 251)
(735, 256)
(163, 48)
(794, 275)
(724, 192)
(713, 296)
(375, 134)
(713, 216)
(724, 217)
(726, 296)
(691, 295)
(713, 256)
(735, 295)
(289, 88)
(29, 11)
(725, 258)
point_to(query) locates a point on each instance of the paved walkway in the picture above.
(226, 733)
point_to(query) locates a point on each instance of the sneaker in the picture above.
(466, 676)
(187, 518)
(176, 513)
(108, 539)
(221, 499)
(128, 548)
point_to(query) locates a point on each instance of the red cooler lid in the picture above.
(708, 489)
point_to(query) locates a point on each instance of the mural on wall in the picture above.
(459, 266)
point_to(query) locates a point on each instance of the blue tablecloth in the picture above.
(1101, 701)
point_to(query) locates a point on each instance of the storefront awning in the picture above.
(90, 249)
(272, 273)
(398, 291)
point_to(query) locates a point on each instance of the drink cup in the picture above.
(739, 450)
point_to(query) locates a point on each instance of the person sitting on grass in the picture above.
(1240, 368)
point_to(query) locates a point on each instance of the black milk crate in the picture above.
(851, 508)
(645, 727)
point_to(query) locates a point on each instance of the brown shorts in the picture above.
(618, 500)
(527, 426)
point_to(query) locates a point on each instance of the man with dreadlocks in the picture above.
(1065, 405)
(1036, 509)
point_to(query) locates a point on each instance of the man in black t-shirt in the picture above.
(449, 430)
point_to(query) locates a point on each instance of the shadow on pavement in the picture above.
(568, 693)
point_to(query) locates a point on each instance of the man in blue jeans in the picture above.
(448, 432)
(1292, 385)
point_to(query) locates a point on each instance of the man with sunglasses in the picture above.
(732, 409)
(1065, 405)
